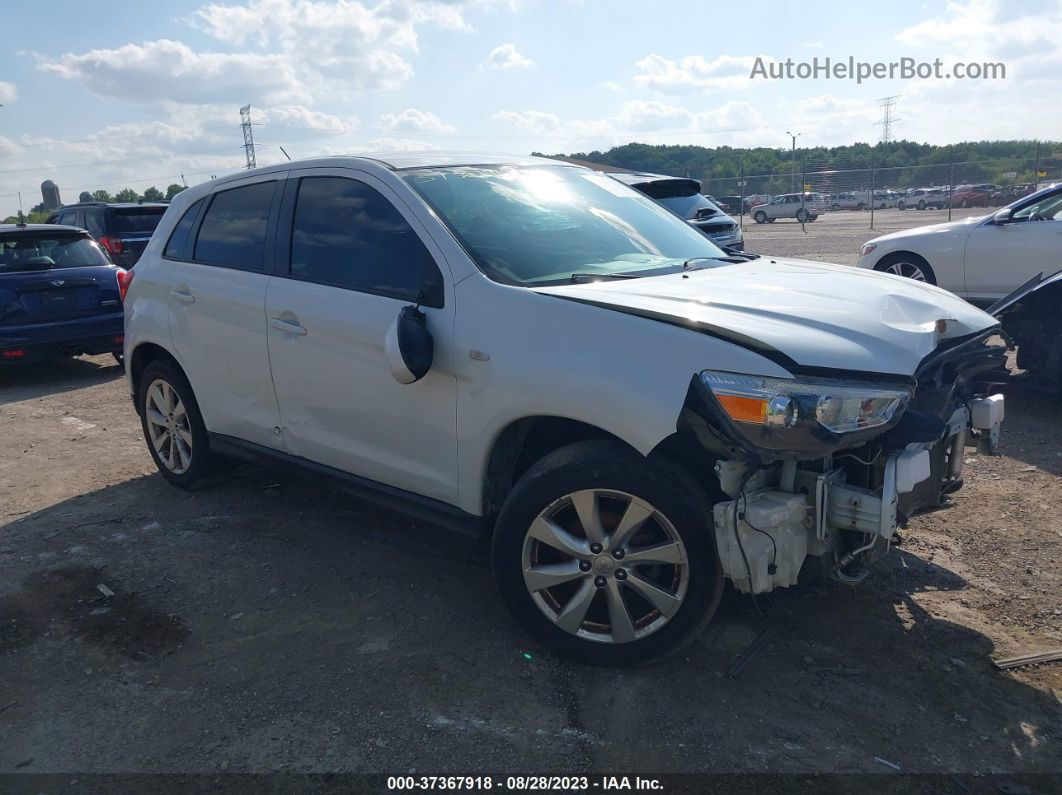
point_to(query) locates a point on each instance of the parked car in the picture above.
(1010, 193)
(883, 200)
(537, 351)
(972, 195)
(122, 229)
(1031, 318)
(924, 199)
(59, 295)
(848, 201)
(981, 258)
(802, 207)
(734, 205)
(683, 197)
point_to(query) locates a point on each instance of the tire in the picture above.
(189, 459)
(608, 481)
(901, 206)
(921, 205)
(800, 215)
(760, 217)
(906, 263)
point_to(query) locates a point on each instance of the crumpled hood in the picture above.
(815, 314)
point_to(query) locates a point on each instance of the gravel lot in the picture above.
(266, 624)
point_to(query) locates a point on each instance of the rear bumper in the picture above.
(92, 335)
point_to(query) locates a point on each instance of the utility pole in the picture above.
(887, 119)
(792, 162)
(248, 136)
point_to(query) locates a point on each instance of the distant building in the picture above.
(50, 192)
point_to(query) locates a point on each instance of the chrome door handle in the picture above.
(186, 298)
(290, 328)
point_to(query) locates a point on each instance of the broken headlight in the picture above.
(801, 414)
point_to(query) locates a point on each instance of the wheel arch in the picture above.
(886, 258)
(144, 354)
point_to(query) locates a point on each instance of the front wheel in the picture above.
(760, 217)
(921, 205)
(607, 558)
(173, 427)
(800, 215)
(910, 266)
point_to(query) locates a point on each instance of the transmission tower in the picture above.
(248, 136)
(887, 119)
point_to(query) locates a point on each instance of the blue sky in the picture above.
(138, 93)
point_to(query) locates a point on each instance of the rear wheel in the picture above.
(908, 265)
(173, 427)
(607, 558)
(921, 204)
(800, 215)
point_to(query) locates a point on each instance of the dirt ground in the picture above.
(266, 624)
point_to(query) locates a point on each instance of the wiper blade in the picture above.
(578, 277)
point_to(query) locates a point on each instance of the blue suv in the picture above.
(59, 294)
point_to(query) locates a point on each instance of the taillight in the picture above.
(15, 353)
(125, 278)
(113, 245)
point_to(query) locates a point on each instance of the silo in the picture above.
(50, 192)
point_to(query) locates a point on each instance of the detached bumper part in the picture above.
(764, 533)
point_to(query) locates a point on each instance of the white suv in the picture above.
(529, 349)
(802, 207)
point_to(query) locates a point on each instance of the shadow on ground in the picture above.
(28, 381)
(269, 624)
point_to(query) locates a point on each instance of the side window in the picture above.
(177, 245)
(67, 219)
(94, 223)
(233, 232)
(347, 234)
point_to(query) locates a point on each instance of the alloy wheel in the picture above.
(605, 565)
(168, 426)
(906, 269)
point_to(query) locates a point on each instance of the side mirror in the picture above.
(1003, 216)
(409, 346)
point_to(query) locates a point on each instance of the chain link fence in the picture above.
(988, 183)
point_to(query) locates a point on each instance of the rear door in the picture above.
(352, 254)
(218, 260)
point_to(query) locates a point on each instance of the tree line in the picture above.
(898, 163)
(38, 215)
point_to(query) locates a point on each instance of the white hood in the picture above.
(816, 314)
(961, 227)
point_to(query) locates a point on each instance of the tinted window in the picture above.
(94, 222)
(67, 219)
(137, 220)
(177, 246)
(30, 252)
(345, 233)
(234, 230)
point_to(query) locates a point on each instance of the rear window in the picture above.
(682, 197)
(137, 220)
(44, 251)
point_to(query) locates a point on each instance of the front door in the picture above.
(1000, 257)
(350, 256)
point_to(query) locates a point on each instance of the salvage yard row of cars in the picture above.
(542, 353)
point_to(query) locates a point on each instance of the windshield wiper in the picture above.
(578, 277)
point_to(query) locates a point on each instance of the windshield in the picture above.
(542, 225)
(30, 252)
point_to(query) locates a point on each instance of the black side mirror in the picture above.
(409, 346)
(1004, 216)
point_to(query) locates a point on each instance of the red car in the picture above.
(971, 196)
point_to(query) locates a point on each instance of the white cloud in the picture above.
(506, 56)
(694, 73)
(612, 86)
(171, 70)
(412, 120)
(299, 116)
(8, 92)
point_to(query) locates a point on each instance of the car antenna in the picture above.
(285, 151)
(21, 216)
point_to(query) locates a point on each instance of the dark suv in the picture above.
(123, 230)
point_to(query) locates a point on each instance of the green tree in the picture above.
(102, 196)
(153, 194)
(174, 189)
(127, 195)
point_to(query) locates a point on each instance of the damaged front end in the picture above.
(828, 464)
